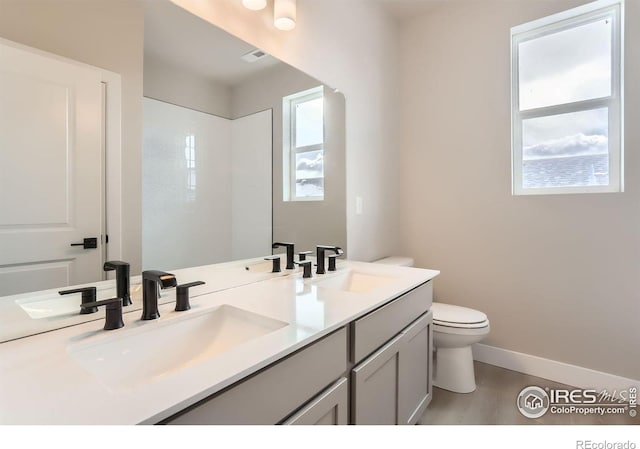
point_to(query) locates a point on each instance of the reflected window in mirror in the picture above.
(190, 156)
(303, 145)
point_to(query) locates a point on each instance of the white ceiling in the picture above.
(179, 38)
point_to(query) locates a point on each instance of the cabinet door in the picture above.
(329, 408)
(414, 392)
(375, 380)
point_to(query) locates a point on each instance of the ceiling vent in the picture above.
(254, 55)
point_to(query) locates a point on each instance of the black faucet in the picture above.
(113, 312)
(122, 279)
(151, 280)
(320, 249)
(88, 296)
(289, 246)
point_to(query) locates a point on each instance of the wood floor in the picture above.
(494, 402)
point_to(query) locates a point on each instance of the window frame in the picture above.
(614, 103)
(290, 151)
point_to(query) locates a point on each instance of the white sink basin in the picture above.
(354, 282)
(53, 305)
(156, 350)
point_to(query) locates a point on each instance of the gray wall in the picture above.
(106, 34)
(306, 223)
(175, 85)
(557, 275)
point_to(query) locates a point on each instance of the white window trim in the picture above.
(614, 103)
(289, 136)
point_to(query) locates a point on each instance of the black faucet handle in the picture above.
(306, 268)
(182, 295)
(303, 255)
(113, 312)
(88, 296)
(332, 261)
(276, 263)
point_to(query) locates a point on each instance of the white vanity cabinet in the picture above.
(393, 385)
(380, 374)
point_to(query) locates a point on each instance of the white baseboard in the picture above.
(572, 375)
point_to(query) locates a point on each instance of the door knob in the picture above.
(90, 243)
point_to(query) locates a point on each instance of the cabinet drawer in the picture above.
(331, 407)
(272, 394)
(379, 326)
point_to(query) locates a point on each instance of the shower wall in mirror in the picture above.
(206, 186)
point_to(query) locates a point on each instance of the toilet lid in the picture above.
(452, 315)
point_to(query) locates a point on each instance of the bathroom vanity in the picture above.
(350, 346)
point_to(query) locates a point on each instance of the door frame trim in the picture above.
(113, 163)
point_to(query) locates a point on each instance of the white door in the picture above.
(51, 115)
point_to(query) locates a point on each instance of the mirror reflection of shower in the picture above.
(203, 177)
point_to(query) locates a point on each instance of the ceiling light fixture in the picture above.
(254, 5)
(284, 14)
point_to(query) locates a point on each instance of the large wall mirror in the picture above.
(217, 182)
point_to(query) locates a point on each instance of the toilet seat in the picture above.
(462, 331)
(447, 315)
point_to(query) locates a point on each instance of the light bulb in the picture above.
(254, 5)
(284, 14)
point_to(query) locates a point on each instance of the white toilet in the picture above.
(455, 329)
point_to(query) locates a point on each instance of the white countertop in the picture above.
(41, 383)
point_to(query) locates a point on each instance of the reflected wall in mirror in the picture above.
(109, 36)
(214, 197)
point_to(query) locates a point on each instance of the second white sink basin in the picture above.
(156, 350)
(354, 282)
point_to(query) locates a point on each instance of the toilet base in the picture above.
(454, 370)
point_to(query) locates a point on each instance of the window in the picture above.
(303, 142)
(566, 81)
(190, 156)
